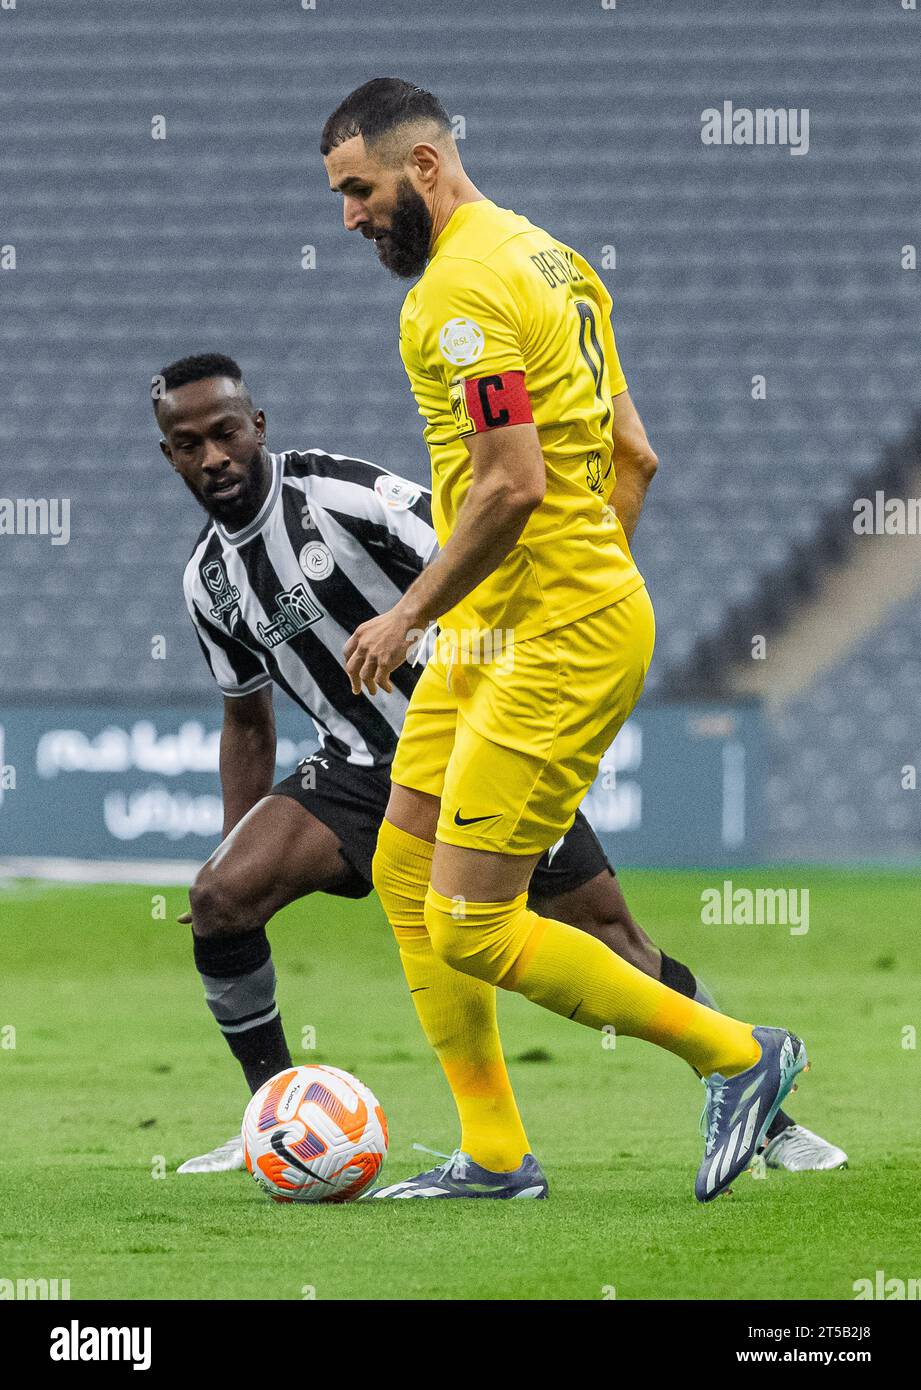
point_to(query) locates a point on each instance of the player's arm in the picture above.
(635, 462)
(247, 757)
(508, 482)
(247, 761)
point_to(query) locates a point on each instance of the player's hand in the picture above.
(378, 647)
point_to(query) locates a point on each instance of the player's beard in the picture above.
(241, 510)
(409, 236)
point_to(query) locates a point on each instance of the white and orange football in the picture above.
(314, 1134)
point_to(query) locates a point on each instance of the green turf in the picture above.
(117, 1065)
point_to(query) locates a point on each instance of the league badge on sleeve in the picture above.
(462, 341)
(397, 494)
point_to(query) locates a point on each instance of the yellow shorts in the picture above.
(511, 745)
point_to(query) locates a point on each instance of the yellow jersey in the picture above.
(508, 324)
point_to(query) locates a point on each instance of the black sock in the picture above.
(239, 980)
(780, 1122)
(677, 977)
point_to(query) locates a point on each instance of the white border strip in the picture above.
(161, 872)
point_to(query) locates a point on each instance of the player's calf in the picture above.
(277, 853)
(239, 982)
(234, 960)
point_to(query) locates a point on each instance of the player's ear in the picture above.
(259, 422)
(165, 451)
(425, 161)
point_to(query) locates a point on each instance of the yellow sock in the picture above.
(457, 1012)
(573, 974)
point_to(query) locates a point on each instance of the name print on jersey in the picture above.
(556, 266)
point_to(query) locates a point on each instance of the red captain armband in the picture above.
(489, 402)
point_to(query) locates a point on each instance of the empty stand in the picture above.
(731, 263)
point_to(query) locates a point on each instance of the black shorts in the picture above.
(352, 800)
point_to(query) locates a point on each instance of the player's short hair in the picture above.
(197, 368)
(378, 108)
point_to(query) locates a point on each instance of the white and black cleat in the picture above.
(226, 1158)
(797, 1150)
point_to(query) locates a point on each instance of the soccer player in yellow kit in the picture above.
(546, 636)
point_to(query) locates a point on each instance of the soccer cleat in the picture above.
(797, 1150)
(739, 1109)
(459, 1176)
(226, 1158)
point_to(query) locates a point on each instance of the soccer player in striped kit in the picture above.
(299, 548)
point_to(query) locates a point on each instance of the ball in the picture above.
(314, 1134)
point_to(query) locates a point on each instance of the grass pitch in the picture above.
(118, 1074)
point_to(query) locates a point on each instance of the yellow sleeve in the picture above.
(616, 378)
(467, 322)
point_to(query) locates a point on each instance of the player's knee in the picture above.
(486, 948)
(446, 933)
(400, 870)
(391, 889)
(217, 908)
(383, 874)
(454, 944)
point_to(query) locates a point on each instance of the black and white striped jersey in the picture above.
(337, 541)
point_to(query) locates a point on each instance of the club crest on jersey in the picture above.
(316, 560)
(226, 595)
(489, 402)
(596, 477)
(397, 494)
(462, 341)
(296, 611)
(457, 397)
